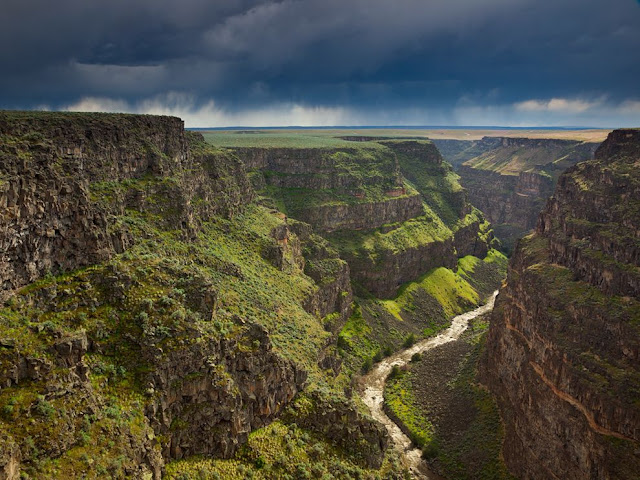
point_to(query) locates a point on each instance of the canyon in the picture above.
(179, 304)
(509, 178)
(166, 300)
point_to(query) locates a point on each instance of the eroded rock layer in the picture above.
(563, 350)
(510, 179)
(392, 208)
(151, 310)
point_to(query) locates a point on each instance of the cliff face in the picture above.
(363, 216)
(564, 343)
(510, 179)
(508, 199)
(392, 208)
(58, 195)
(152, 310)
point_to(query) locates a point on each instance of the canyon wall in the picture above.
(152, 311)
(510, 179)
(58, 195)
(392, 208)
(564, 343)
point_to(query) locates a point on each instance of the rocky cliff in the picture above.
(59, 200)
(510, 179)
(153, 311)
(564, 343)
(392, 208)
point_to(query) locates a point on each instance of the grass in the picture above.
(298, 137)
(283, 451)
(548, 158)
(163, 269)
(280, 139)
(390, 239)
(421, 308)
(399, 399)
(473, 449)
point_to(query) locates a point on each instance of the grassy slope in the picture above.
(422, 308)
(463, 438)
(285, 452)
(227, 256)
(549, 159)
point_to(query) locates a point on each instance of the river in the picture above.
(373, 383)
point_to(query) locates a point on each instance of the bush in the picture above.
(409, 341)
(395, 371)
(377, 357)
(366, 366)
(416, 357)
(430, 451)
(387, 351)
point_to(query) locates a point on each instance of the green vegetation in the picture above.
(204, 269)
(390, 239)
(436, 181)
(168, 292)
(398, 397)
(421, 308)
(546, 157)
(286, 452)
(461, 448)
(163, 272)
(331, 178)
(280, 139)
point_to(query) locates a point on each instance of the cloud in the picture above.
(208, 114)
(630, 107)
(372, 58)
(562, 105)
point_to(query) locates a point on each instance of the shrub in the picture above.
(395, 371)
(409, 341)
(44, 408)
(366, 366)
(416, 357)
(430, 451)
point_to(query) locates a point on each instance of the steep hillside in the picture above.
(393, 209)
(510, 179)
(418, 252)
(154, 313)
(563, 348)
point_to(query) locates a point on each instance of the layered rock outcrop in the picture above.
(59, 196)
(140, 311)
(510, 179)
(390, 231)
(564, 342)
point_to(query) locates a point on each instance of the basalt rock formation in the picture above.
(58, 197)
(510, 179)
(153, 311)
(563, 351)
(392, 208)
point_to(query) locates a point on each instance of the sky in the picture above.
(328, 62)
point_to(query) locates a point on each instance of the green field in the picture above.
(312, 138)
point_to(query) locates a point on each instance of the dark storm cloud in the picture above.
(365, 55)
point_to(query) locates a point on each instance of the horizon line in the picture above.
(405, 127)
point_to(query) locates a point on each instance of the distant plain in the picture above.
(318, 138)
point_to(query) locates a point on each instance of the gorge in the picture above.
(181, 304)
